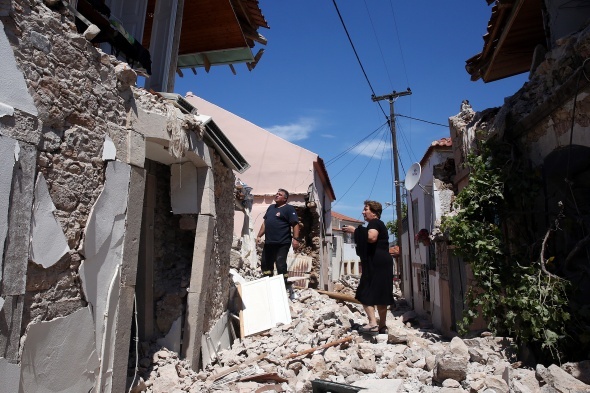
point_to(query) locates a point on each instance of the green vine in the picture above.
(489, 230)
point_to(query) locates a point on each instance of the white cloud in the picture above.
(294, 131)
(373, 149)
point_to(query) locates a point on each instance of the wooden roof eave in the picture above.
(515, 9)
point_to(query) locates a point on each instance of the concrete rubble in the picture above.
(321, 344)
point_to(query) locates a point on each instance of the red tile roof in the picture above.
(343, 217)
(441, 144)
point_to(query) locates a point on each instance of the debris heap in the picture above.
(321, 346)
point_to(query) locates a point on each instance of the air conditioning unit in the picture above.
(178, 101)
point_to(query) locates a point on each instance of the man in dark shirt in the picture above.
(278, 221)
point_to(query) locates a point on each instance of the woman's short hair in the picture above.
(375, 207)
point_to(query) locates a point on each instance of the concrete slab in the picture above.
(380, 385)
(123, 334)
(10, 376)
(196, 298)
(7, 146)
(183, 188)
(47, 365)
(48, 242)
(16, 253)
(13, 88)
(216, 340)
(135, 148)
(133, 227)
(206, 191)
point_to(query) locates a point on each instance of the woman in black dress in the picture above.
(375, 288)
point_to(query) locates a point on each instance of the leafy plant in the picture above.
(392, 225)
(512, 292)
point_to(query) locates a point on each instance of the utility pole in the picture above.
(398, 202)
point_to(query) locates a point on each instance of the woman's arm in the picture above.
(373, 235)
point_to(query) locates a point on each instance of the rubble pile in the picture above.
(321, 344)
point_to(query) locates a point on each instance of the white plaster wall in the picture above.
(13, 89)
(435, 300)
(10, 374)
(48, 242)
(184, 188)
(103, 243)
(47, 365)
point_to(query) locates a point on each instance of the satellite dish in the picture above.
(413, 176)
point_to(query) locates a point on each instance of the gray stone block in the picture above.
(19, 223)
(10, 326)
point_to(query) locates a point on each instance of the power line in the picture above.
(355, 52)
(424, 121)
(340, 155)
(399, 43)
(355, 180)
(355, 157)
(379, 45)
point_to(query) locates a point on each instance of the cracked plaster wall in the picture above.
(80, 99)
(71, 101)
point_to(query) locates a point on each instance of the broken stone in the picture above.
(91, 32)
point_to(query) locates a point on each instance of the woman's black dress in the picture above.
(376, 283)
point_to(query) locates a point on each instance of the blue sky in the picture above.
(309, 88)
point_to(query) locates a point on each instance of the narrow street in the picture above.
(321, 350)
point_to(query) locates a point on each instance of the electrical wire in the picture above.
(340, 155)
(356, 54)
(424, 121)
(136, 339)
(355, 181)
(379, 45)
(399, 43)
(357, 155)
(405, 142)
(383, 140)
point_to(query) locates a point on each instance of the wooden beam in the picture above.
(339, 296)
(326, 345)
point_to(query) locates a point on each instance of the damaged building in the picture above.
(302, 173)
(116, 203)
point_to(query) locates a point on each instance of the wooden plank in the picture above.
(230, 370)
(326, 345)
(339, 296)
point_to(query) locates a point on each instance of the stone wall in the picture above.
(75, 89)
(218, 293)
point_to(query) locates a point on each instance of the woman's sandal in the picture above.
(371, 330)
